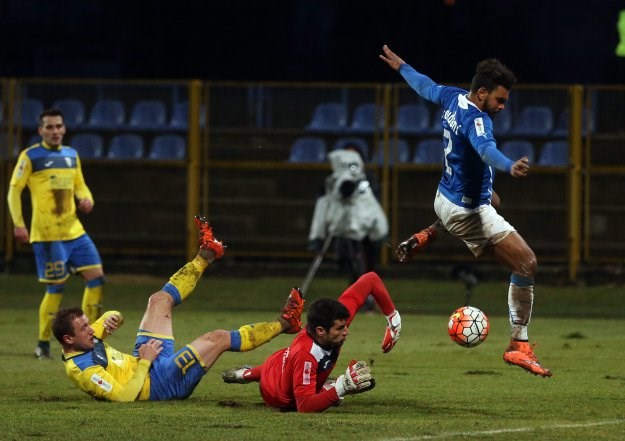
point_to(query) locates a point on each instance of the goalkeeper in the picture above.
(155, 371)
(294, 378)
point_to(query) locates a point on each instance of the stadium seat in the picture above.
(562, 125)
(367, 118)
(399, 152)
(88, 145)
(180, 116)
(429, 151)
(328, 117)
(148, 115)
(359, 143)
(412, 119)
(126, 146)
(515, 149)
(73, 112)
(502, 123)
(308, 149)
(534, 121)
(435, 125)
(554, 153)
(168, 147)
(28, 117)
(107, 114)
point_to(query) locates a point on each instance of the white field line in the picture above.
(444, 435)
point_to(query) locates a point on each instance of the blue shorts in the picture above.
(173, 375)
(55, 258)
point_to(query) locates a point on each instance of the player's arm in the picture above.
(108, 323)
(355, 296)
(304, 382)
(97, 382)
(20, 176)
(422, 84)
(81, 191)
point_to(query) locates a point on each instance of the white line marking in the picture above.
(511, 430)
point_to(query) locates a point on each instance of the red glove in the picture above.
(392, 331)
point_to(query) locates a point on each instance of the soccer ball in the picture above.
(468, 326)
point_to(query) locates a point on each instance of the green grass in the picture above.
(427, 387)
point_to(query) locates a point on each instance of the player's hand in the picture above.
(113, 322)
(150, 350)
(391, 58)
(85, 205)
(21, 234)
(406, 249)
(357, 379)
(520, 168)
(392, 331)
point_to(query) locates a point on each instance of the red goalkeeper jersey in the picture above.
(293, 377)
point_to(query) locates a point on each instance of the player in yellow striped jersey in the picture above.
(53, 174)
(155, 370)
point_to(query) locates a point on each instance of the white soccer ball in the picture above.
(468, 326)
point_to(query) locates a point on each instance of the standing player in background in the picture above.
(57, 187)
(294, 378)
(463, 200)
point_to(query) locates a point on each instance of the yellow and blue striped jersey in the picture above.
(107, 374)
(55, 179)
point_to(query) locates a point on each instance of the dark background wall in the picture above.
(310, 40)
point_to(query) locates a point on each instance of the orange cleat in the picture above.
(292, 311)
(207, 240)
(521, 354)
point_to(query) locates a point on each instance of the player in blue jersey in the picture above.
(155, 370)
(463, 200)
(53, 174)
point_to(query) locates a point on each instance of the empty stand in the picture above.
(73, 112)
(534, 121)
(554, 153)
(107, 114)
(308, 149)
(429, 151)
(148, 115)
(359, 143)
(328, 117)
(168, 147)
(126, 146)
(515, 149)
(412, 119)
(367, 118)
(88, 145)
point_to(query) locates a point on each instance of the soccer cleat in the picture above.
(235, 375)
(292, 311)
(416, 243)
(521, 354)
(207, 240)
(42, 350)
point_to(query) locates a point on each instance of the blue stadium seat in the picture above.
(429, 151)
(180, 116)
(73, 112)
(88, 145)
(28, 116)
(359, 143)
(126, 146)
(412, 119)
(502, 123)
(399, 152)
(435, 125)
(534, 121)
(562, 125)
(515, 149)
(148, 115)
(554, 153)
(308, 149)
(367, 118)
(328, 117)
(107, 114)
(168, 147)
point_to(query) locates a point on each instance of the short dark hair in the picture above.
(63, 323)
(491, 73)
(50, 112)
(323, 312)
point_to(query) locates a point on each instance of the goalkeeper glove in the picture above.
(357, 379)
(392, 331)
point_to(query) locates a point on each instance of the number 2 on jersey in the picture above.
(447, 138)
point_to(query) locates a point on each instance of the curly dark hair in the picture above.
(491, 73)
(323, 312)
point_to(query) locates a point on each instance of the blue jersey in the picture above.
(470, 148)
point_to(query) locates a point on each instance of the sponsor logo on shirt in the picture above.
(479, 126)
(307, 371)
(48, 164)
(101, 383)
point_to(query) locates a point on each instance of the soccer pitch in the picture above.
(427, 387)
